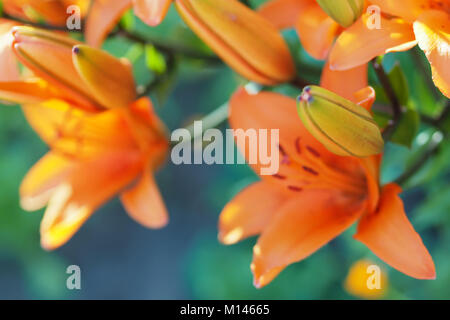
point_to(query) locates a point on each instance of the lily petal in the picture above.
(432, 30)
(316, 31)
(410, 9)
(76, 133)
(246, 215)
(152, 12)
(390, 235)
(73, 202)
(283, 13)
(299, 228)
(344, 83)
(42, 179)
(102, 17)
(358, 44)
(144, 203)
(27, 92)
(9, 69)
(109, 79)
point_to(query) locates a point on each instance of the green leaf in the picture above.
(155, 60)
(128, 20)
(407, 128)
(399, 83)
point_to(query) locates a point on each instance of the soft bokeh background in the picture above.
(121, 260)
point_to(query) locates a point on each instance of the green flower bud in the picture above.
(342, 126)
(344, 12)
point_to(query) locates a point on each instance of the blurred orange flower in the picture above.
(101, 139)
(315, 197)
(92, 158)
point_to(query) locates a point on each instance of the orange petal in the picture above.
(152, 12)
(89, 186)
(246, 41)
(410, 9)
(9, 69)
(76, 133)
(316, 31)
(49, 55)
(344, 83)
(390, 235)
(102, 18)
(364, 97)
(246, 215)
(432, 30)
(53, 11)
(23, 92)
(144, 203)
(283, 13)
(42, 179)
(358, 44)
(109, 79)
(299, 228)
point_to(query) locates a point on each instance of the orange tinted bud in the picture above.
(90, 77)
(241, 37)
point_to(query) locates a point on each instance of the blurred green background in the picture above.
(121, 260)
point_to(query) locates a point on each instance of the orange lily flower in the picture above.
(52, 11)
(94, 154)
(425, 22)
(92, 158)
(315, 196)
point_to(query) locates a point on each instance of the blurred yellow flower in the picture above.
(366, 280)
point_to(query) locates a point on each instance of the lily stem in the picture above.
(213, 120)
(392, 96)
(438, 122)
(167, 47)
(431, 149)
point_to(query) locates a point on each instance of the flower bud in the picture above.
(250, 44)
(90, 77)
(344, 12)
(343, 127)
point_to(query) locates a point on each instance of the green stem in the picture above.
(431, 148)
(167, 47)
(210, 121)
(439, 121)
(390, 93)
